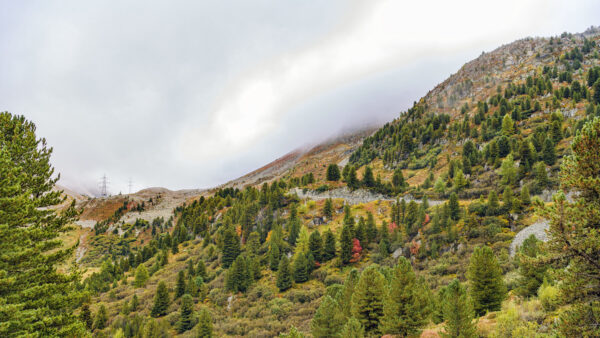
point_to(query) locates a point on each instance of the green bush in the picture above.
(549, 296)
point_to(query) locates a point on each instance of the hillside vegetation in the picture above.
(464, 170)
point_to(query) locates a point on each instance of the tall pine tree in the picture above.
(161, 301)
(328, 320)
(35, 299)
(458, 312)
(367, 300)
(487, 287)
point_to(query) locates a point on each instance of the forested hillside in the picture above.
(407, 233)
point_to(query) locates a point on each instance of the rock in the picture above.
(537, 229)
(397, 253)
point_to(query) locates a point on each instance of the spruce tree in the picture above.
(238, 277)
(329, 246)
(384, 242)
(101, 318)
(486, 287)
(405, 309)
(532, 275)
(367, 300)
(141, 276)
(161, 301)
(315, 245)
(231, 247)
(458, 312)
(186, 314)
(328, 320)
(398, 180)
(353, 329)
(205, 327)
(284, 275)
(201, 269)
(180, 286)
(134, 303)
(35, 298)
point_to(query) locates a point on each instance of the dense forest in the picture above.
(462, 175)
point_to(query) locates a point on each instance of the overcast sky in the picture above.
(190, 94)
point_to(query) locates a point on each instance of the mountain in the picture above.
(457, 174)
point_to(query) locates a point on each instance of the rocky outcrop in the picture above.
(352, 196)
(537, 229)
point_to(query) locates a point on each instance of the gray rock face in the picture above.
(537, 229)
(352, 197)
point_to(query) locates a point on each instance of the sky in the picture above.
(191, 94)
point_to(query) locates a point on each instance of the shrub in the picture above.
(549, 296)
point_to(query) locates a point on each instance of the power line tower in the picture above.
(103, 186)
(130, 185)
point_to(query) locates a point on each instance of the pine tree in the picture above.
(161, 301)
(596, 95)
(238, 277)
(35, 299)
(398, 179)
(548, 152)
(205, 327)
(333, 172)
(346, 244)
(384, 242)
(141, 276)
(507, 125)
(367, 300)
(361, 230)
(329, 246)
(328, 320)
(345, 301)
(405, 309)
(180, 286)
(201, 269)
(274, 256)
(101, 318)
(492, 205)
(134, 303)
(371, 227)
(573, 245)
(186, 314)
(458, 312)
(353, 329)
(190, 268)
(328, 209)
(525, 196)
(294, 225)
(454, 207)
(301, 269)
(86, 316)
(284, 275)
(315, 245)
(487, 288)
(231, 247)
(368, 179)
(532, 275)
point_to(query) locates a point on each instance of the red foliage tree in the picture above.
(356, 250)
(392, 227)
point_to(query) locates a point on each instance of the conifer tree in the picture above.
(35, 298)
(405, 308)
(315, 245)
(86, 316)
(284, 275)
(205, 327)
(548, 152)
(141, 276)
(454, 207)
(573, 247)
(333, 172)
(346, 244)
(361, 230)
(231, 247)
(101, 318)
(274, 256)
(492, 205)
(328, 208)
(180, 286)
(525, 196)
(301, 269)
(201, 269)
(458, 312)
(486, 287)
(384, 242)
(398, 179)
(371, 227)
(161, 301)
(345, 301)
(368, 179)
(329, 246)
(367, 300)
(328, 320)
(353, 329)
(190, 268)
(186, 314)
(238, 277)
(134, 303)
